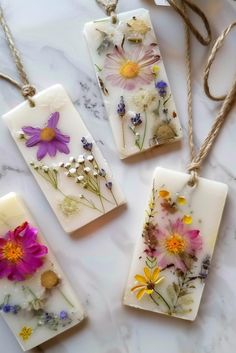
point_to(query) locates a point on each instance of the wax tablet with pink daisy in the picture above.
(64, 158)
(133, 81)
(36, 299)
(174, 251)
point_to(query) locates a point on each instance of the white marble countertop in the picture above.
(49, 35)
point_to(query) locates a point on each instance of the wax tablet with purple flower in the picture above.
(133, 82)
(173, 254)
(36, 300)
(64, 158)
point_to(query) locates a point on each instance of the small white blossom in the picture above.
(80, 178)
(67, 165)
(72, 171)
(95, 174)
(87, 169)
(45, 168)
(80, 159)
(145, 99)
(90, 158)
(20, 134)
(72, 159)
(61, 164)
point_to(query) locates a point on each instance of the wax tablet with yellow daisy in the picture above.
(36, 299)
(133, 81)
(173, 254)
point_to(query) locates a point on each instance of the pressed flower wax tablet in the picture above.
(133, 82)
(64, 158)
(173, 255)
(36, 300)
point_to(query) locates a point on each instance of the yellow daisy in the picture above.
(25, 333)
(147, 282)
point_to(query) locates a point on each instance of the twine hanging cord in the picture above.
(229, 99)
(228, 103)
(110, 8)
(27, 90)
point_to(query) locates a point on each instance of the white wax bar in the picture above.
(36, 299)
(73, 175)
(133, 82)
(173, 255)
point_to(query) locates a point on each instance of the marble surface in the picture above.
(97, 258)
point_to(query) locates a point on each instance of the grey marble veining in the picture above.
(49, 35)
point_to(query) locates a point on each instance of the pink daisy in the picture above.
(49, 139)
(20, 253)
(130, 69)
(174, 245)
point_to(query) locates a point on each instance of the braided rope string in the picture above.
(27, 90)
(228, 100)
(110, 8)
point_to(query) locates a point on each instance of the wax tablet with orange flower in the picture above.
(133, 82)
(173, 255)
(36, 300)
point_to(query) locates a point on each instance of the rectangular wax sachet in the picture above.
(36, 299)
(173, 254)
(65, 160)
(133, 82)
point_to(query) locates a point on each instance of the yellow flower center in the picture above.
(129, 69)
(175, 244)
(12, 252)
(47, 134)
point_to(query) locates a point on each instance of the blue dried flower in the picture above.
(136, 120)
(86, 145)
(161, 87)
(121, 107)
(63, 315)
(6, 308)
(15, 309)
(109, 185)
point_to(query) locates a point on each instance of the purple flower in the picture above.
(102, 172)
(121, 107)
(63, 315)
(109, 185)
(50, 139)
(161, 87)
(136, 120)
(6, 308)
(86, 145)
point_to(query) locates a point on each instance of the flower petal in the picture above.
(29, 130)
(42, 151)
(34, 140)
(62, 147)
(52, 148)
(140, 279)
(140, 293)
(155, 274)
(147, 273)
(137, 287)
(53, 120)
(159, 280)
(61, 137)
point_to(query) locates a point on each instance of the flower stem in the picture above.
(163, 299)
(154, 300)
(66, 299)
(123, 132)
(145, 130)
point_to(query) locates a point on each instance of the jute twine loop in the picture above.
(228, 100)
(27, 90)
(110, 8)
(218, 44)
(181, 11)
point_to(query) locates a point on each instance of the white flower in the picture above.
(80, 178)
(61, 164)
(90, 158)
(20, 134)
(145, 99)
(69, 205)
(87, 169)
(81, 159)
(45, 168)
(67, 165)
(72, 171)
(72, 159)
(95, 174)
